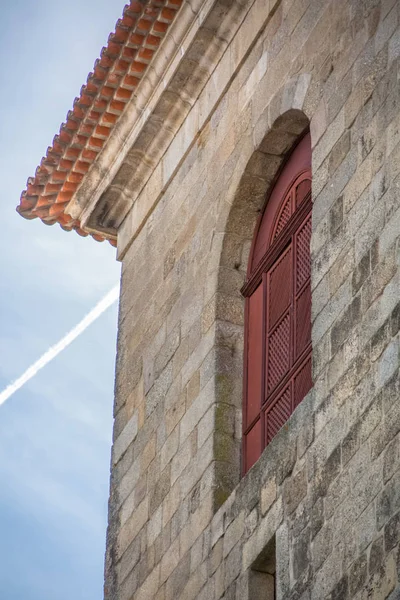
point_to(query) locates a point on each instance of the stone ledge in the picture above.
(137, 112)
(221, 72)
(156, 113)
(261, 482)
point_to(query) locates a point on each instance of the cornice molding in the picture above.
(89, 204)
(195, 64)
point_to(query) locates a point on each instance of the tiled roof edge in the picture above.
(114, 80)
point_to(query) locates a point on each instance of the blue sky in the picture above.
(55, 433)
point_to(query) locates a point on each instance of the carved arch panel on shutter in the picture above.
(278, 308)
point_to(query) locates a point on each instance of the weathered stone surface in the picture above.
(325, 494)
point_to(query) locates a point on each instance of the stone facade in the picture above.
(321, 507)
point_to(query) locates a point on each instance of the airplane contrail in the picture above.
(52, 352)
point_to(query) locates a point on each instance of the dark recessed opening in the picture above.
(262, 576)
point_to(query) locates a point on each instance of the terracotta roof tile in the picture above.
(101, 102)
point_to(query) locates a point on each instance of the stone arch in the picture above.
(259, 176)
(237, 226)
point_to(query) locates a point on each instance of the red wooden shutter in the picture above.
(254, 355)
(278, 308)
(278, 319)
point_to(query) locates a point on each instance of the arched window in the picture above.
(278, 307)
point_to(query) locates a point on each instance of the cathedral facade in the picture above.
(244, 158)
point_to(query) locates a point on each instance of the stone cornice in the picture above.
(196, 62)
(87, 204)
(229, 43)
(115, 78)
(191, 50)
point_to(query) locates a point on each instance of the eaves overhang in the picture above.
(142, 109)
(156, 132)
(96, 114)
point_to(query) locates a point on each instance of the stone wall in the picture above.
(322, 504)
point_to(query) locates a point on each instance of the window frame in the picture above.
(256, 276)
